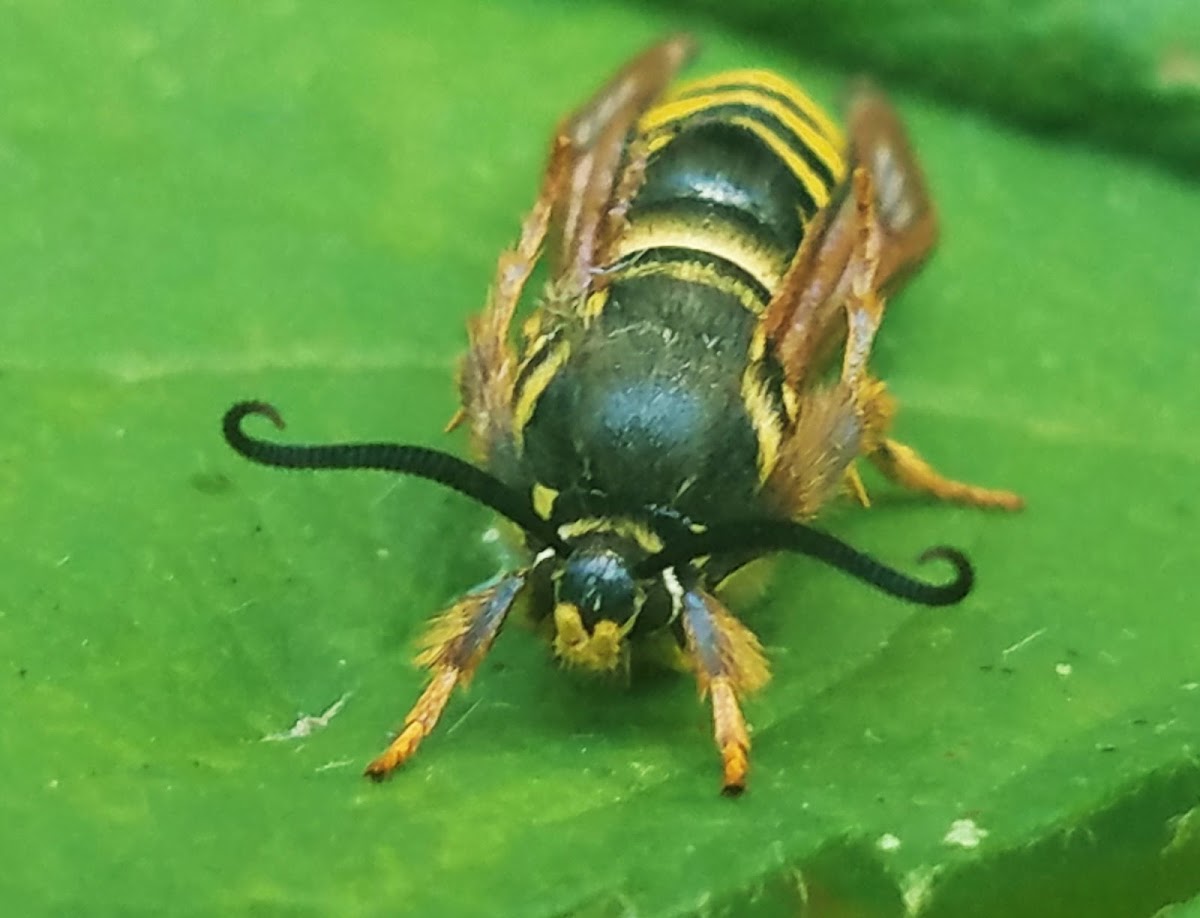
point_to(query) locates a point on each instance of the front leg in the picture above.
(455, 645)
(729, 663)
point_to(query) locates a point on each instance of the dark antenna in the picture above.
(430, 464)
(758, 536)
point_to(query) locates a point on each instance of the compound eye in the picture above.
(599, 584)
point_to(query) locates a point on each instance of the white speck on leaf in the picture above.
(916, 888)
(385, 493)
(306, 724)
(964, 833)
(1025, 640)
(467, 713)
(1063, 669)
(887, 842)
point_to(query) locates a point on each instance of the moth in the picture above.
(691, 388)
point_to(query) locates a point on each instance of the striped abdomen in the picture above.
(738, 166)
(660, 393)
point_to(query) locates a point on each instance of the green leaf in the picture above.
(286, 200)
(1126, 75)
(1189, 909)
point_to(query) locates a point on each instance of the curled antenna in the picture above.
(430, 464)
(762, 536)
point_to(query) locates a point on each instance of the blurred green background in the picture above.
(200, 203)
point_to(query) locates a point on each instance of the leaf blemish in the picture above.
(1029, 638)
(965, 833)
(307, 724)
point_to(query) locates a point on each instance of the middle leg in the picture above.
(729, 663)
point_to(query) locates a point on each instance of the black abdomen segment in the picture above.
(723, 172)
(737, 166)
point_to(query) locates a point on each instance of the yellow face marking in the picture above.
(601, 651)
(766, 264)
(535, 384)
(774, 83)
(543, 501)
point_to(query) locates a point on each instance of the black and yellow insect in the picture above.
(675, 407)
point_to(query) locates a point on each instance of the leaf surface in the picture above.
(292, 202)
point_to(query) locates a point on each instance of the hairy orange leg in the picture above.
(836, 424)
(903, 465)
(729, 731)
(455, 645)
(729, 663)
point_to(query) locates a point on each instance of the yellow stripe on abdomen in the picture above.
(811, 154)
(765, 263)
(766, 81)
